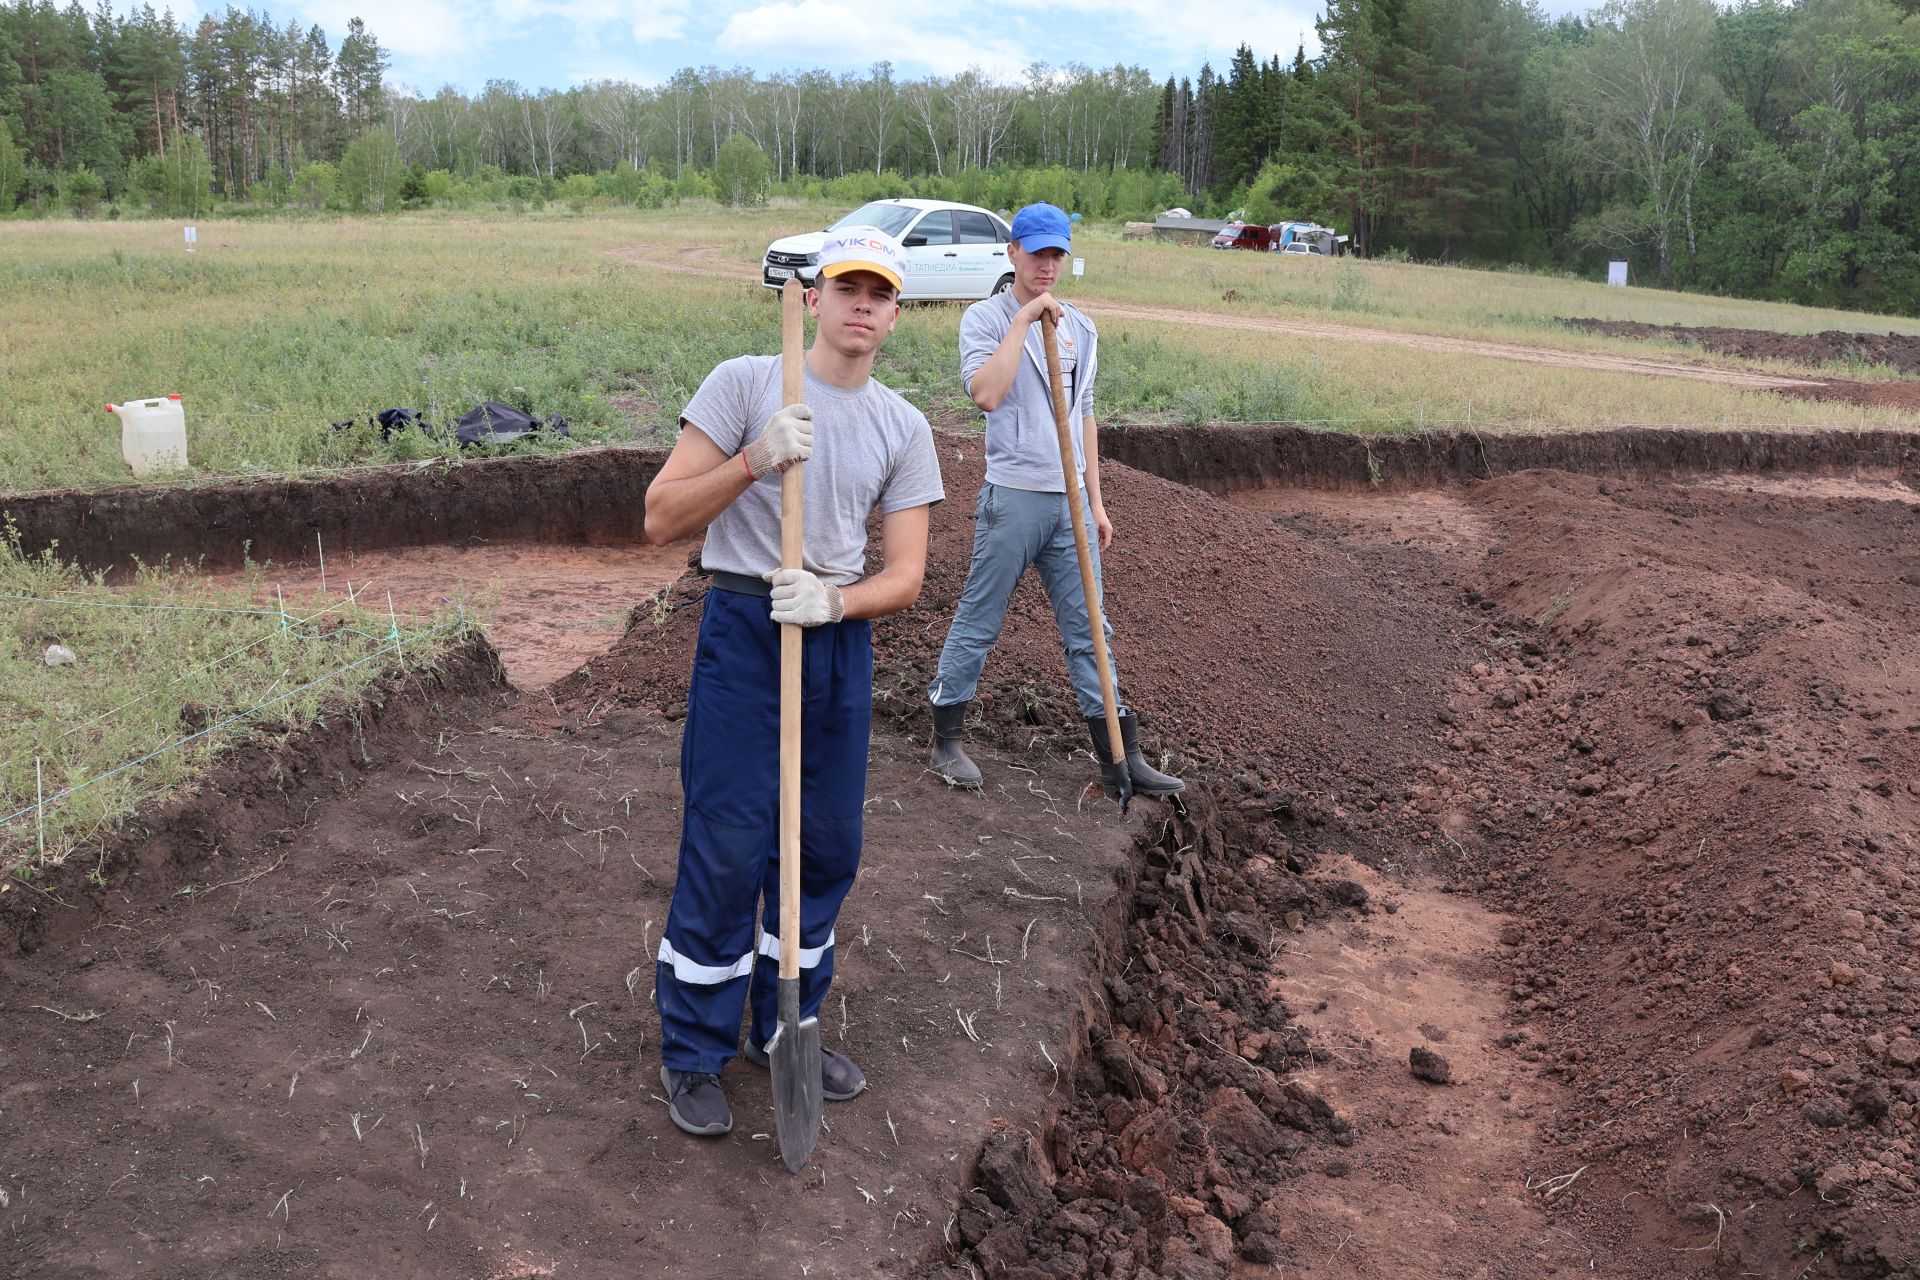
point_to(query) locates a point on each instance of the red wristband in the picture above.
(746, 466)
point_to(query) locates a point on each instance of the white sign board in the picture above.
(1617, 274)
(1079, 266)
(193, 237)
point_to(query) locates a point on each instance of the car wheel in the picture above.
(1003, 284)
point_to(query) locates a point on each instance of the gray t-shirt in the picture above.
(870, 449)
(1023, 444)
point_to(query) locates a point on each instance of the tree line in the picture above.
(1766, 149)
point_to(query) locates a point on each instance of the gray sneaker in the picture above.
(840, 1080)
(695, 1103)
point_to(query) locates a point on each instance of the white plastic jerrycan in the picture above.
(153, 434)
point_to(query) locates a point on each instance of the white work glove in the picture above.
(802, 599)
(788, 439)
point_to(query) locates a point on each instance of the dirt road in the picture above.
(703, 260)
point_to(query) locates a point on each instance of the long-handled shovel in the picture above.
(1088, 586)
(794, 1052)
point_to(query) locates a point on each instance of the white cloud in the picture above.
(426, 33)
(1173, 39)
(478, 40)
(801, 33)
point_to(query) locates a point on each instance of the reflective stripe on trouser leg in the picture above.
(1059, 565)
(833, 784)
(729, 768)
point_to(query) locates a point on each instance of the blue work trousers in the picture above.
(1015, 528)
(715, 946)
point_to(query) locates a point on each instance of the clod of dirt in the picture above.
(1013, 1171)
(1871, 1102)
(1430, 1066)
(1728, 706)
(1824, 1113)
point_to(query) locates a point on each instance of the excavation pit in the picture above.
(1596, 785)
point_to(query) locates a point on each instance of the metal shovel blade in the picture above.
(793, 1056)
(1123, 777)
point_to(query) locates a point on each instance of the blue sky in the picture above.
(557, 43)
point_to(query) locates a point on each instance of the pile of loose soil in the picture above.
(1252, 654)
(1694, 783)
(1896, 350)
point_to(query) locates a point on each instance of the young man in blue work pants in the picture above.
(864, 447)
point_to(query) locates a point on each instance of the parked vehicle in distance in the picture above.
(1305, 237)
(954, 251)
(1244, 235)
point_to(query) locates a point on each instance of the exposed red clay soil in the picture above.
(1708, 788)
(1692, 785)
(1543, 905)
(547, 607)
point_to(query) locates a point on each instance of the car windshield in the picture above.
(890, 218)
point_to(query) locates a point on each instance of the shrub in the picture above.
(740, 172)
(578, 191)
(316, 185)
(82, 192)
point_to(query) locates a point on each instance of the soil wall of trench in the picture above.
(258, 788)
(598, 496)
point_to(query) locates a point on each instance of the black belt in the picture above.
(741, 584)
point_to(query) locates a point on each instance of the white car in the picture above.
(954, 251)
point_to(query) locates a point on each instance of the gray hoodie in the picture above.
(1023, 445)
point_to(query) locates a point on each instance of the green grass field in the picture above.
(274, 330)
(165, 671)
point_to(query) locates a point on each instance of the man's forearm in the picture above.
(995, 378)
(886, 592)
(680, 508)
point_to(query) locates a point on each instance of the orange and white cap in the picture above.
(864, 249)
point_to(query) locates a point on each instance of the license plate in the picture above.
(779, 273)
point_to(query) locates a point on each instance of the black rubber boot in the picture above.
(1147, 780)
(949, 758)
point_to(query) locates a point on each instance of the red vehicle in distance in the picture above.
(1245, 235)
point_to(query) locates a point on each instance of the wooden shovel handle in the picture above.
(1089, 587)
(792, 556)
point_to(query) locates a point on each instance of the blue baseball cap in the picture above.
(1042, 226)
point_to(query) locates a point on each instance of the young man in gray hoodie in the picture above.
(1022, 518)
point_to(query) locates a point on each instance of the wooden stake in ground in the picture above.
(793, 1055)
(1089, 586)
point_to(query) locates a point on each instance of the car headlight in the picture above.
(813, 259)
